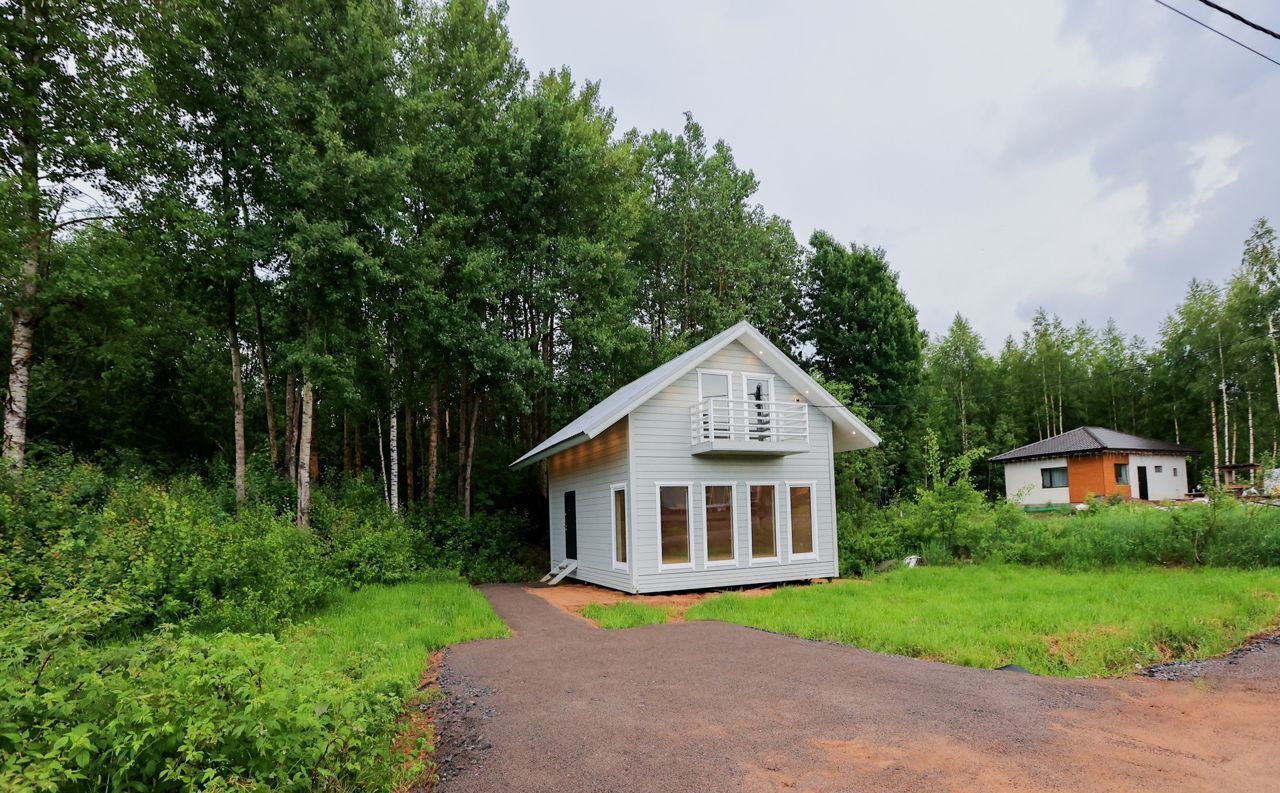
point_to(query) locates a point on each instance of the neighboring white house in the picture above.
(1094, 461)
(715, 469)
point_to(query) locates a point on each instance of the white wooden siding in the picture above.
(661, 452)
(590, 470)
(1163, 486)
(1025, 475)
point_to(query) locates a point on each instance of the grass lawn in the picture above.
(403, 624)
(624, 614)
(1056, 623)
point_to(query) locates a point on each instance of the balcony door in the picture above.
(715, 385)
(759, 393)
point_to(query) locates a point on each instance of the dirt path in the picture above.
(714, 707)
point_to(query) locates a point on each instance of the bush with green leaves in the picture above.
(183, 711)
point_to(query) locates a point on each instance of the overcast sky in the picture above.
(1089, 157)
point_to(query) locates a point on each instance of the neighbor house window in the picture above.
(764, 525)
(718, 519)
(673, 519)
(801, 504)
(1053, 477)
(620, 526)
(1122, 474)
(1159, 469)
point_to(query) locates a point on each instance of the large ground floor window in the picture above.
(673, 525)
(764, 524)
(801, 519)
(717, 515)
(619, 511)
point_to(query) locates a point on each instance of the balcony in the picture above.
(746, 427)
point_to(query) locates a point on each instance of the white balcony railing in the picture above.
(746, 420)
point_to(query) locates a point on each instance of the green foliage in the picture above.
(955, 521)
(482, 548)
(624, 614)
(313, 709)
(1097, 623)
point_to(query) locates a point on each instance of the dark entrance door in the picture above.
(571, 524)
(1142, 482)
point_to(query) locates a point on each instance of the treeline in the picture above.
(334, 240)
(1210, 379)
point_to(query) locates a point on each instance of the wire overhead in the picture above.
(1241, 19)
(1209, 27)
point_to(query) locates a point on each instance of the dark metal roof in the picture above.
(1090, 440)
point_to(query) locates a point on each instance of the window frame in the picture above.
(613, 525)
(1119, 479)
(728, 374)
(1066, 481)
(810, 556)
(752, 560)
(707, 562)
(657, 502)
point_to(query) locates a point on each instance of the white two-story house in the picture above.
(715, 469)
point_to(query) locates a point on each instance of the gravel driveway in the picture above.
(704, 706)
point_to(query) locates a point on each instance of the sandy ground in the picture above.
(571, 597)
(717, 707)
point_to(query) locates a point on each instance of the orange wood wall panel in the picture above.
(1095, 475)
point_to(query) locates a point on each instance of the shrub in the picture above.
(949, 521)
(481, 548)
(175, 712)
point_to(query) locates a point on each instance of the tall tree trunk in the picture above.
(1226, 421)
(356, 443)
(266, 382)
(393, 484)
(408, 454)
(24, 315)
(237, 393)
(433, 441)
(24, 321)
(304, 453)
(393, 421)
(346, 445)
(471, 453)
(1249, 397)
(1275, 360)
(464, 408)
(1213, 416)
(291, 426)
(382, 462)
(1226, 426)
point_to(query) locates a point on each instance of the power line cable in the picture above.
(1219, 32)
(1241, 19)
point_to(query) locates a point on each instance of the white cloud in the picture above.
(1087, 157)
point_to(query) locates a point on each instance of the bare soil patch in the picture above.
(571, 597)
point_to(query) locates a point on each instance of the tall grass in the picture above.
(402, 623)
(624, 614)
(1098, 623)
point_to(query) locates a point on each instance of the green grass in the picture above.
(1054, 623)
(400, 624)
(624, 615)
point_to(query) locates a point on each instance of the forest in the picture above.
(331, 242)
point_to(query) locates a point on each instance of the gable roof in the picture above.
(1090, 440)
(853, 433)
